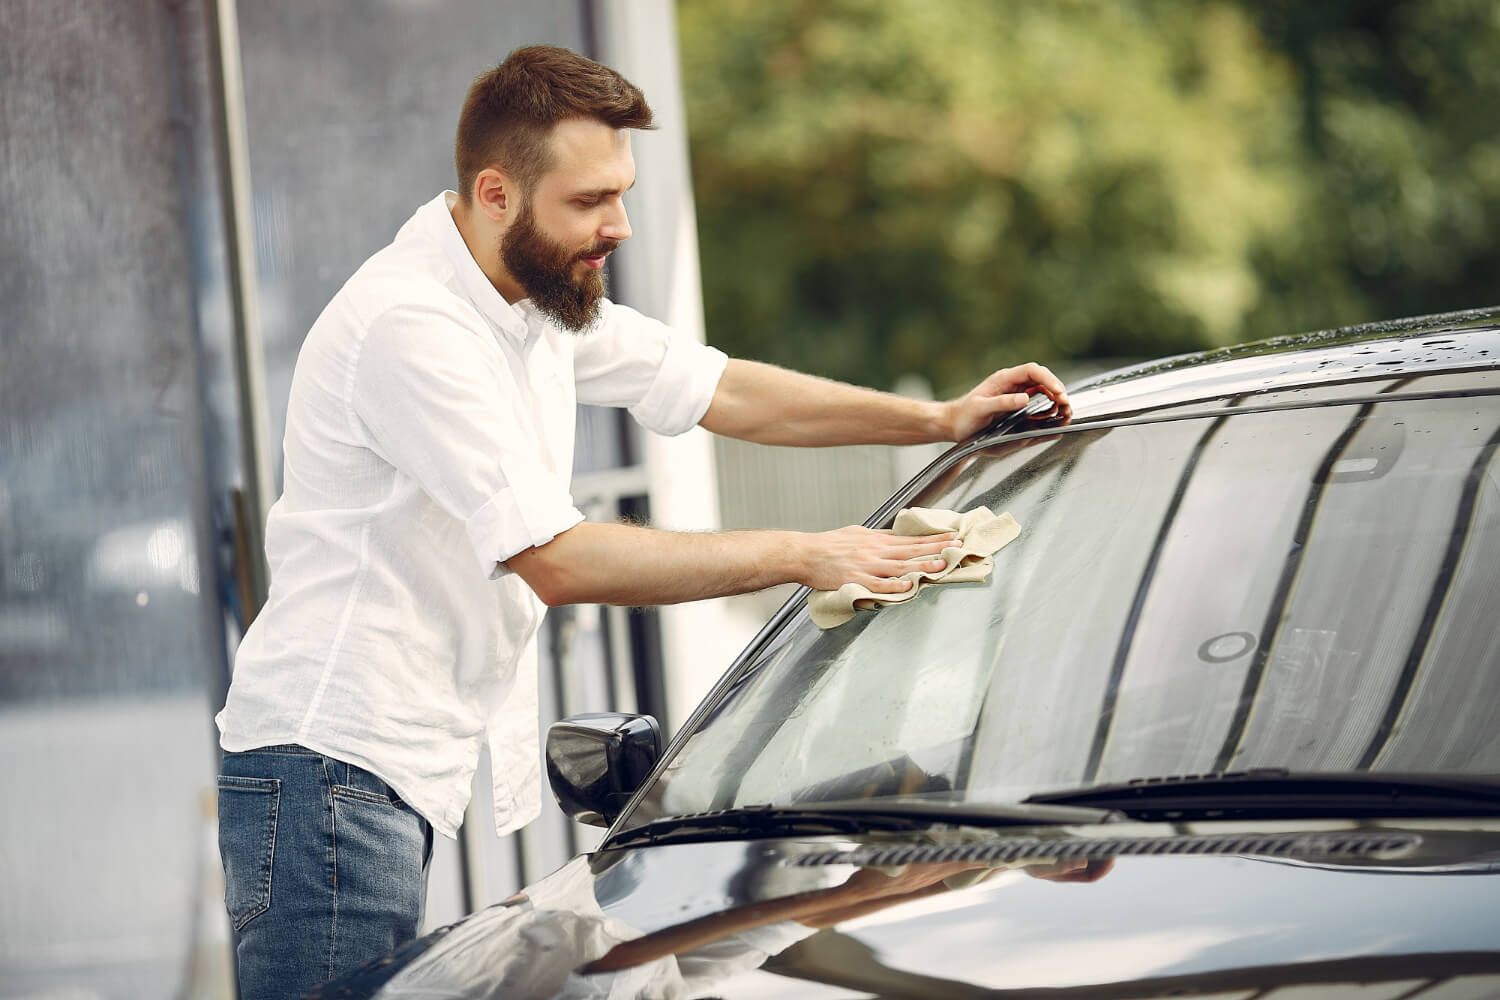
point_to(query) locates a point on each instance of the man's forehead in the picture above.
(591, 155)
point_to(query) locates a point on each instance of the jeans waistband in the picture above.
(280, 748)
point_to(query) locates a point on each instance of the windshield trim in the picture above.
(998, 436)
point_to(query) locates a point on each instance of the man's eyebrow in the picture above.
(601, 192)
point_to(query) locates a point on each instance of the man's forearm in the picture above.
(624, 564)
(769, 405)
(594, 563)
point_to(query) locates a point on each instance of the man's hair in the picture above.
(511, 110)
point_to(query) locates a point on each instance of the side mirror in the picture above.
(595, 762)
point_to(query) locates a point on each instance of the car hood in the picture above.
(1179, 910)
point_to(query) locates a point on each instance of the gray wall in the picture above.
(111, 636)
(120, 440)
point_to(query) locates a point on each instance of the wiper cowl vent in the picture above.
(1013, 850)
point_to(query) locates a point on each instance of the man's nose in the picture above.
(616, 224)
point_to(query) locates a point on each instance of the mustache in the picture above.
(601, 249)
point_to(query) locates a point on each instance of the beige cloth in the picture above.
(981, 534)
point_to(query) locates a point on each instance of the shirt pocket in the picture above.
(247, 844)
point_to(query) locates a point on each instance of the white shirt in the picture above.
(429, 437)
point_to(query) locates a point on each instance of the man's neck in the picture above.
(483, 243)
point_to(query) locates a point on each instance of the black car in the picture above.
(1223, 721)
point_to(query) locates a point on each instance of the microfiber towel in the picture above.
(980, 535)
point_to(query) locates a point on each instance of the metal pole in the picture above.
(239, 238)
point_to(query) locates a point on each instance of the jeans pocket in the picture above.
(366, 795)
(381, 849)
(247, 844)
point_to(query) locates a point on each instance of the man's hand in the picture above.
(874, 558)
(1006, 391)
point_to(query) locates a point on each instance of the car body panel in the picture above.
(702, 920)
(1270, 369)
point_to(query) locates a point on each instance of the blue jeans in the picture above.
(325, 868)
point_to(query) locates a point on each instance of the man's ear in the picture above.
(495, 195)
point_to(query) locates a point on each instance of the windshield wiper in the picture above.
(846, 817)
(1277, 793)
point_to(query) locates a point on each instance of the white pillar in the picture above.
(659, 276)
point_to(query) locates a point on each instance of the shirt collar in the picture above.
(437, 218)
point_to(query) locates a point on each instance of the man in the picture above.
(426, 520)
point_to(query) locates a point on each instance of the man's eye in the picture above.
(585, 202)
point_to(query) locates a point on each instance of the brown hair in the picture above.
(510, 111)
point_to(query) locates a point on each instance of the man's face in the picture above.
(571, 222)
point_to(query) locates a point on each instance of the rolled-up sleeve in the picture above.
(439, 408)
(665, 380)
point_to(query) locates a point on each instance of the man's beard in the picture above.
(544, 270)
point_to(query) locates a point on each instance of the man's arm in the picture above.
(594, 563)
(769, 405)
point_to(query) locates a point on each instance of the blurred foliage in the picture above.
(887, 186)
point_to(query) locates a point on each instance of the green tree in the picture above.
(898, 185)
(1400, 133)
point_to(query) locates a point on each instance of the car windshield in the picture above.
(1311, 588)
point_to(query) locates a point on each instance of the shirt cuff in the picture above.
(509, 523)
(683, 388)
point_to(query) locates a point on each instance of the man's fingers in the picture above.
(916, 554)
(892, 580)
(885, 584)
(941, 538)
(918, 549)
(1041, 376)
(1035, 377)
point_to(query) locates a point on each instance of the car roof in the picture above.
(1333, 360)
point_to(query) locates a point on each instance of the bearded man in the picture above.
(425, 520)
